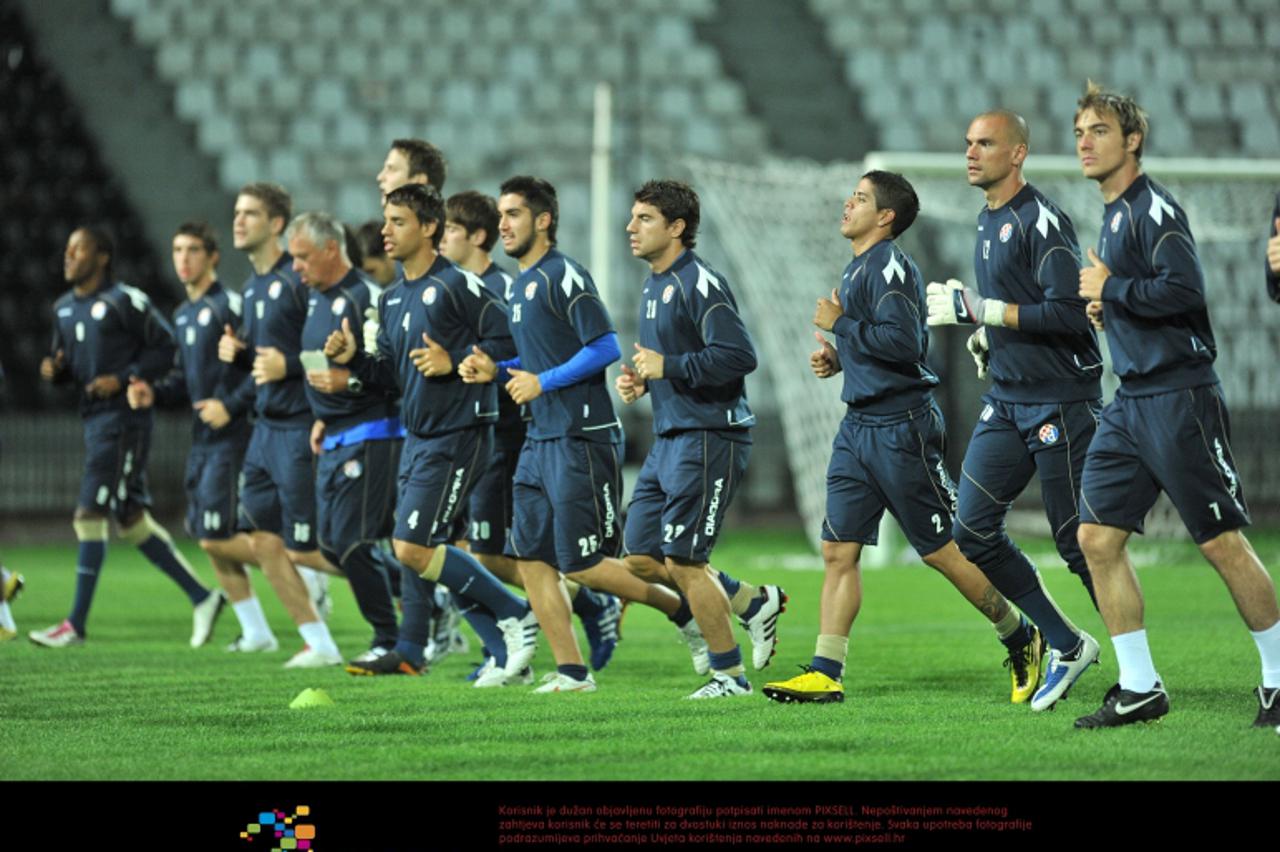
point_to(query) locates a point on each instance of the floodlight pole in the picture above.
(603, 221)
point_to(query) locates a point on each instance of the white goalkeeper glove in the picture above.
(981, 352)
(955, 304)
(370, 330)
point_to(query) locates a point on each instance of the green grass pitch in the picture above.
(927, 696)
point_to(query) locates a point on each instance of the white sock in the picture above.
(316, 634)
(6, 617)
(253, 621)
(1137, 671)
(1268, 642)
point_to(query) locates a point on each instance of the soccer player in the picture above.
(1168, 426)
(412, 161)
(1043, 405)
(429, 320)
(10, 585)
(888, 452)
(356, 433)
(568, 481)
(470, 233)
(376, 264)
(1273, 254)
(104, 333)
(219, 434)
(692, 358)
(420, 162)
(277, 492)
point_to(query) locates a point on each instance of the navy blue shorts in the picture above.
(567, 494)
(894, 462)
(278, 485)
(116, 447)
(1175, 442)
(356, 494)
(436, 478)
(490, 508)
(685, 487)
(211, 482)
(1013, 442)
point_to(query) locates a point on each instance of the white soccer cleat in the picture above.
(492, 676)
(243, 645)
(1063, 671)
(310, 658)
(763, 626)
(59, 636)
(374, 653)
(556, 682)
(205, 617)
(721, 685)
(520, 635)
(698, 650)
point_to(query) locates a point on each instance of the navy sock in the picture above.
(482, 621)
(727, 660)
(575, 672)
(391, 567)
(1020, 637)
(369, 586)
(88, 566)
(1017, 580)
(730, 585)
(828, 667)
(588, 603)
(415, 619)
(756, 603)
(467, 578)
(683, 614)
(161, 555)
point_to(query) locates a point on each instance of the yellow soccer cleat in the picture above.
(812, 687)
(1024, 668)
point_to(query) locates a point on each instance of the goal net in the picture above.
(778, 222)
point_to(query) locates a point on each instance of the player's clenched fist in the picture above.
(229, 346)
(629, 385)
(53, 365)
(340, 347)
(139, 393)
(823, 361)
(523, 387)
(478, 367)
(828, 311)
(649, 363)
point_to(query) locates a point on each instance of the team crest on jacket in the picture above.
(530, 290)
(667, 293)
(429, 295)
(339, 305)
(1006, 231)
(1048, 434)
(1116, 220)
(352, 469)
(274, 290)
(99, 310)
(204, 316)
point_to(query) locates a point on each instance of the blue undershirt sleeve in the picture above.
(587, 361)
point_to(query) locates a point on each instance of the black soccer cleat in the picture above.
(1122, 707)
(1268, 707)
(390, 663)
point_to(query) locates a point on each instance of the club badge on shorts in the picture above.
(1049, 434)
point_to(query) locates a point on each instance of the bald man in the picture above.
(1042, 408)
